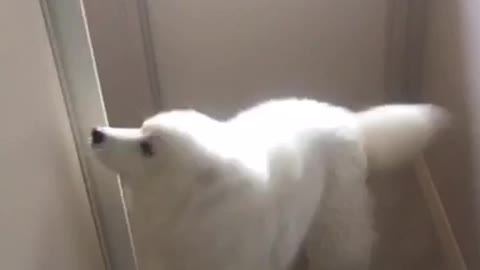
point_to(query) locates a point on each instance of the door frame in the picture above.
(90, 94)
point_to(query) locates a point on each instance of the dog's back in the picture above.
(335, 148)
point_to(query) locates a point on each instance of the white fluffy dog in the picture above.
(247, 193)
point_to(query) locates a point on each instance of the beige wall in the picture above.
(221, 56)
(45, 220)
(451, 78)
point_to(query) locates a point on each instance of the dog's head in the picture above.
(170, 146)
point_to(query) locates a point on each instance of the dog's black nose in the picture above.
(97, 136)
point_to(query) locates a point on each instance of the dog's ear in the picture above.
(393, 134)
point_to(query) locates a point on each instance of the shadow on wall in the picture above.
(449, 80)
(407, 238)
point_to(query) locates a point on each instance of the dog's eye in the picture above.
(146, 148)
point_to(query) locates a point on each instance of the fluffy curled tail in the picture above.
(393, 134)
